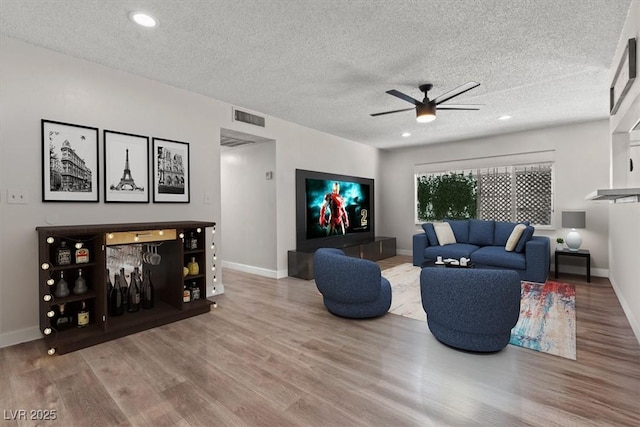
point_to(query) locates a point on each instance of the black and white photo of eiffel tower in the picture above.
(128, 184)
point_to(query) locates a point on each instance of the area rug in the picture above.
(547, 320)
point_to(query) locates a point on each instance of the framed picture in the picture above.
(69, 163)
(170, 171)
(624, 77)
(126, 167)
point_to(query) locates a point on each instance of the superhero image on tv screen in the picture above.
(336, 207)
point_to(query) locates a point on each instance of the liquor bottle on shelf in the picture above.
(124, 287)
(80, 285)
(195, 291)
(82, 255)
(116, 307)
(109, 284)
(63, 254)
(147, 291)
(83, 316)
(186, 294)
(193, 267)
(63, 320)
(133, 296)
(62, 287)
(191, 243)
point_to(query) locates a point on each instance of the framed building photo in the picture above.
(126, 168)
(69, 163)
(170, 171)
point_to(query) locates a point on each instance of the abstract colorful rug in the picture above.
(547, 320)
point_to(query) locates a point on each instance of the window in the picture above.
(506, 193)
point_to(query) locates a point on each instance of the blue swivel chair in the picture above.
(471, 309)
(351, 287)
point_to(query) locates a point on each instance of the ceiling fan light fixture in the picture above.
(425, 113)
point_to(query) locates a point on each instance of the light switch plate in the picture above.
(20, 197)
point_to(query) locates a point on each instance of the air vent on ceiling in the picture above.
(252, 119)
(233, 142)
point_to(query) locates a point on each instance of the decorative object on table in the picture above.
(69, 162)
(126, 167)
(170, 171)
(556, 330)
(573, 220)
(559, 243)
(624, 77)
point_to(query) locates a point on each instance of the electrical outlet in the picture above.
(20, 197)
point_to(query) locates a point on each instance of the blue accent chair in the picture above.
(351, 287)
(471, 309)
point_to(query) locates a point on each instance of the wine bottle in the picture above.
(62, 287)
(80, 285)
(109, 284)
(124, 287)
(83, 316)
(63, 320)
(147, 291)
(133, 295)
(116, 307)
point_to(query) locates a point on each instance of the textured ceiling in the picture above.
(326, 64)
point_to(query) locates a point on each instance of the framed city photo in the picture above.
(69, 163)
(126, 168)
(170, 171)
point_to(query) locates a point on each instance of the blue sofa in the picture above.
(483, 241)
(350, 287)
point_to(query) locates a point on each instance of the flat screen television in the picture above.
(333, 210)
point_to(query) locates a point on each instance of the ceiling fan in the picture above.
(426, 109)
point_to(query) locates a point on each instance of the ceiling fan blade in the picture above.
(460, 107)
(404, 97)
(391, 112)
(455, 92)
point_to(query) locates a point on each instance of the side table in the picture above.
(580, 253)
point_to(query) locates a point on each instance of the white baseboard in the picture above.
(259, 271)
(16, 337)
(635, 326)
(404, 252)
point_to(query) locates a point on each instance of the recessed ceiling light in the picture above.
(504, 117)
(143, 19)
(406, 135)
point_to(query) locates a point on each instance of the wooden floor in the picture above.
(271, 355)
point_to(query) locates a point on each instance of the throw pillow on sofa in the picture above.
(481, 232)
(514, 238)
(460, 229)
(526, 236)
(431, 233)
(444, 233)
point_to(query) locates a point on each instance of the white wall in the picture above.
(581, 164)
(624, 237)
(249, 208)
(37, 83)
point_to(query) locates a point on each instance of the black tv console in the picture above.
(300, 264)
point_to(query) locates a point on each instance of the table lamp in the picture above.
(573, 220)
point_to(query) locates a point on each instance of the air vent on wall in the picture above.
(233, 142)
(252, 119)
